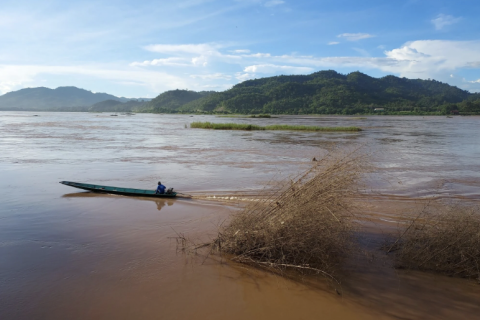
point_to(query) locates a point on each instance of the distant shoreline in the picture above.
(255, 116)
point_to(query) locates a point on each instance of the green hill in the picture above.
(171, 101)
(116, 106)
(328, 92)
(60, 99)
(323, 92)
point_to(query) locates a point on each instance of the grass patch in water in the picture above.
(243, 126)
(225, 126)
(246, 116)
(260, 116)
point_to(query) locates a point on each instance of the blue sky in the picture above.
(142, 48)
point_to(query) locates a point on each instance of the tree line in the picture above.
(323, 92)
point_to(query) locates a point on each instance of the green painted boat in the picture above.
(117, 190)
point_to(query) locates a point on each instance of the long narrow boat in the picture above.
(120, 191)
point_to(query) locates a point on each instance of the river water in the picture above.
(68, 254)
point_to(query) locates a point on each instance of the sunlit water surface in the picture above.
(68, 254)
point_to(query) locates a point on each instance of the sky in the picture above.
(143, 48)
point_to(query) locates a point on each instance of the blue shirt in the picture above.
(161, 189)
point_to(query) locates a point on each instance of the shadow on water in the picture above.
(159, 202)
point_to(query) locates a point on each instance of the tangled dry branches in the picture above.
(307, 225)
(443, 240)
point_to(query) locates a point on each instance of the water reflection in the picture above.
(162, 202)
(159, 202)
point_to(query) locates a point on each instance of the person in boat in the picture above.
(161, 188)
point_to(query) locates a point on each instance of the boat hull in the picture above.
(117, 190)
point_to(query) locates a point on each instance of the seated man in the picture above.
(161, 188)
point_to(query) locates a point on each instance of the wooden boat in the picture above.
(120, 191)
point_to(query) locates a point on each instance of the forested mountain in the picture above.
(323, 92)
(329, 92)
(171, 101)
(42, 98)
(116, 106)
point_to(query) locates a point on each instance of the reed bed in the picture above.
(445, 240)
(243, 126)
(307, 225)
(260, 116)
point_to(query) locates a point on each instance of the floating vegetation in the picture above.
(307, 225)
(246, 116)
(243, 126)
(225, 126)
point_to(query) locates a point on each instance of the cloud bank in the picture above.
(219, 66)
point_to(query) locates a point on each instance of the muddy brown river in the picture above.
(69, 254)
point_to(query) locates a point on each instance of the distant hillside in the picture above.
(323, 92)
(60, 99)
(116, 106)
(171, 101)
(42, 98)
(329, 92)
(123, 99)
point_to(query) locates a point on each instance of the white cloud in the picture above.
(173, 61)
(185, 54)
(443, 20)
(332, 43)
(418, 59)
(14, 77)
(407, 53)
(329, 62)
(203, 48)
(211, 76)
(436, 59)
(355, 36)
(20, 81)
(272, 68)
(273, 3)
(240, 51)
(257, 55)
(244, 76)
(424, 58)
(432, 57)
(197, 55)
(200, 61)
